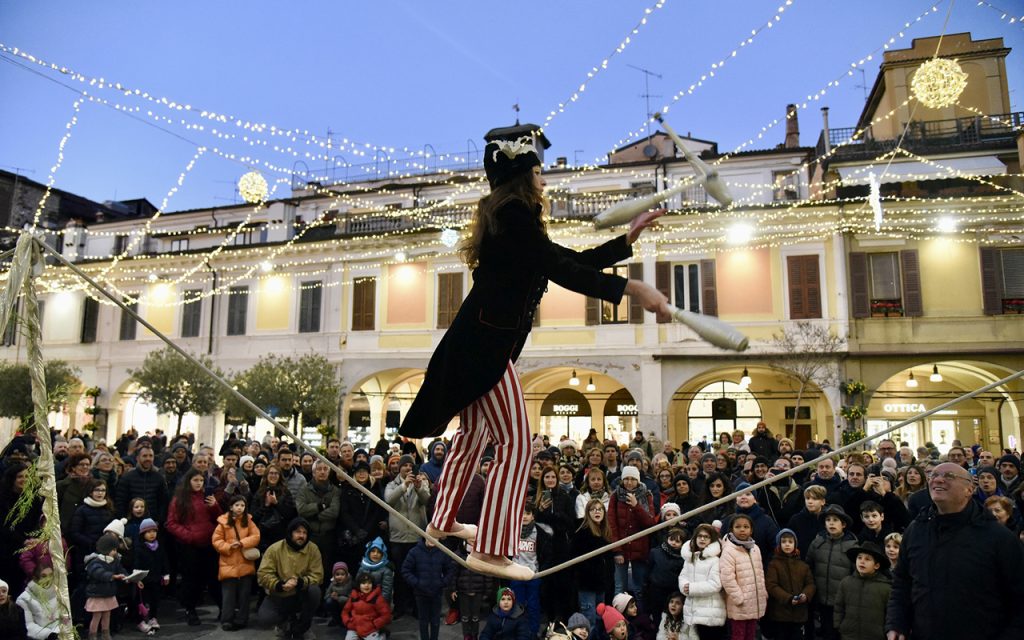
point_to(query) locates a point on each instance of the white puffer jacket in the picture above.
(705, 604)
(40, 607)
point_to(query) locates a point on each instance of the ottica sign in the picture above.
(904, 408)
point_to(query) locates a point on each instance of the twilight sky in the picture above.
(406, 73)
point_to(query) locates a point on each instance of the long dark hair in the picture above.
(485, 222)
(727, 486)
(242, 519)
(183, 495)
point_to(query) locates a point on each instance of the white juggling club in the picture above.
(712, 329)
(623, 212)
(712, 182)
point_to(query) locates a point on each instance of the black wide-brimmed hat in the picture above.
(870, 548)
(512, 151)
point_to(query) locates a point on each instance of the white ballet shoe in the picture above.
(467, 532)
(509, 571)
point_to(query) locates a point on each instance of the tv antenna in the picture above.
(647, 95)
(863, 83)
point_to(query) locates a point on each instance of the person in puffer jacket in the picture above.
(39, 602)
(366, 613)
(428, 571)
(666, 561)
(508, 620)
(829, 564)
(701, 583)
(859, 612)
(746, 597)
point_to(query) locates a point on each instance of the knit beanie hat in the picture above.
(786, 532)
(577, 621)
(244, 459)
(505, 591)
(147, 525)
(406, 459)
(741, 486)
(1012, 459)
(339, 565)
(621, 602)
(3, 585)
(116, 526)
(708, 456)
(631, 472)
(633, 454)
(669, 506)
(568, 442)
(609, 616)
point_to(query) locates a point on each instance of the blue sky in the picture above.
(401, 73)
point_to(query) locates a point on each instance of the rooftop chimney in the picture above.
(792, 127)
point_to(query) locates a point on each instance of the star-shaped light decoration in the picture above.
(449, 237)
(253, 187)
(938, 82)
(875, 199)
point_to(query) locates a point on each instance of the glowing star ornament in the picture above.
(938, 83)
(875, 199)
(253, 187)
(449, 238)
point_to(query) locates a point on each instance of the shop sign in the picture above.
(566, 409)
(909, 407)
(620, 403)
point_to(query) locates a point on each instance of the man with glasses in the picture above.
(887, 449)
(956, 558)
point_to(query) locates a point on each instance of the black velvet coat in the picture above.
(495, 319)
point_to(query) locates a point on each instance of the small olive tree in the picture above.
(176, 385)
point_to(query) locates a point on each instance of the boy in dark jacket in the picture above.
(790, 588)
(862, 598)
(428, 571)
(830, 564)
(665, 564)
(508, 619)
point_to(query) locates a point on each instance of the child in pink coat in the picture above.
(746, 596)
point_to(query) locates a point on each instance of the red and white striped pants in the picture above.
(499, 416)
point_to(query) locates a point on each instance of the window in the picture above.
(238, 308)
(244, 236)
(364, 302)
(885, 284)
(179, 245)
(1002, 279)
(310, 296)
(191, 313)
(128, 324)
(804, 282)
(449, 298)
(90, 320)
(786, 185)
(616, 313)
(120, 243)
(722, 407)
(686, 286)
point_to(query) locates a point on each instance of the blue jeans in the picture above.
(528, 594)
(634, 586)
(588, 605)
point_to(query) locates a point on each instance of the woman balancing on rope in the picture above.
(471, 373)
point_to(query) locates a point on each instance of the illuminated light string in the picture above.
(75, 108)
(595, 70)
(710, 73)
(1003, 14)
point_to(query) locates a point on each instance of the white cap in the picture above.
(116, 526)
(631, 472)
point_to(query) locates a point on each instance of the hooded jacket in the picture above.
(705, 604)
(956, 564)
(366, 613)
(230, 562)
(284, 560)
(432, 467)
(786, 577)
(382, 571)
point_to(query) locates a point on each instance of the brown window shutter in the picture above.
(860, 305)
(363, 304)
(910, 266)
(593, 314)
(804, 287)
(991, 281)
(449, 298)
(708, 293)
(636, 310)
(663, 282)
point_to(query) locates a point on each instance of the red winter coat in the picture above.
(197, 531)
(366, 613)
(624, 520)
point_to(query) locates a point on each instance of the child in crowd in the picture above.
(830, 564)
(376, 563)
(470, 590)
(12, 617)
(592, 574)
(875, 528)
(893, 541)
(137, 512)
(671, 626)
(236, 536)
(579, 626)
(534, 551)
(150, 556)
(104, 571)
(746, 597)
(367, 612)
(701, 584)
(338, 590)
(508, 620)
(860, 604)
(612, 624)
(790, 588)
(640, 627)
(428, 571)
(665, 561)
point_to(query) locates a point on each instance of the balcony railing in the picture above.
(928, 136)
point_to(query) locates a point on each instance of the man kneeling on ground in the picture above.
(291, 572)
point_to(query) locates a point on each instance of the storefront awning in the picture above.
(565, 402)
(620, 403)
(908, 171)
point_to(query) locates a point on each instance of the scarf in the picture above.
(153, 546)
(95, 503)
(746, 544)
(641, 492)
(667, 548)
(566, 486)
(527, 530)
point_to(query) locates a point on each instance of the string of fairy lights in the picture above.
(404, 213)
(1009, 17)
